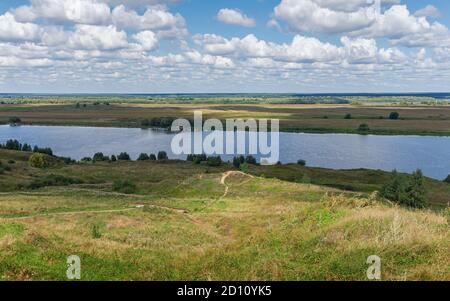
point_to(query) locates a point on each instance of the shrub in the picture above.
(14, 120)
(162, 156)
(124, 157)
(348, 116)
(46, 150)
(301, 162)
(95, 231)
(113, 158)
(447, 180)
(251, 160)
(394, 116)
(11, 162)
(214, 161)
(152, 157)
(86, 159)
(38, 160)
(410, 192)
(244, 167)
(53, 180)
(100, 157)
(364, 128)
(238, 161)
(197, 159)
(124, 186)
(143, 157)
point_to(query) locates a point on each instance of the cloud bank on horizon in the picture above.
(227, 46)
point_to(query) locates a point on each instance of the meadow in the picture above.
(186, 221)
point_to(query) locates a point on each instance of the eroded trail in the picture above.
(228, 174)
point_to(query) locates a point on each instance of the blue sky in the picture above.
(158, 46)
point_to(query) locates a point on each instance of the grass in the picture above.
(414, 119)
(179, 225)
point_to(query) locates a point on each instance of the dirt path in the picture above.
(226, 175)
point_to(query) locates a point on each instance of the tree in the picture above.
(238, 161)
(124, 157)
(152, 157)
(113, 158)
(394, 190)
(143, 157)
(394, 116)
(99, 157)
(13, 145)
(162, 156)
(38, 160)
(14, 120)
(301, 162)
(447, 180)
(364, 128)
(251, 160)
(415, 191)
(26, 148)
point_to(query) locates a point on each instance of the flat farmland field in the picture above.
(420, 120)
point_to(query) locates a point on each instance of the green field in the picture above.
(194, 222)
(320, 118)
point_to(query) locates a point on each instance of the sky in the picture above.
(218, 46)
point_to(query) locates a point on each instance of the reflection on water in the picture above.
(339, 151)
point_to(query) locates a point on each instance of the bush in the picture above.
(124, 186)
(11, 162)
(394, 116)
(244, 167)
(53, 180)
(124, 157)
(86, 159)
(251, 160)
(95, 231)
(197, 159)
(364, 128)
(348, 116)
(214, 161)
(26, 148)
(162, 156)
(113, 158)
(14, 120)
(301, 162)
(38, 160)
(447, 180)
(143, 157)
(99, 157)
(152, 157)
(46, 150)
(238, 161)
(410, 192)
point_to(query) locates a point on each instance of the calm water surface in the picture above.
(338, 151)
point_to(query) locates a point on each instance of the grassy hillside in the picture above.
(187, 221)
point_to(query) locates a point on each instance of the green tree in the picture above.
(394, 116)
(415, 191)
(447, 180)
(152, 157)
(364, 127)
(162, 156)
(143, 157)
(394, 190)
(301, 162)
(14, 120)
(124, 157)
